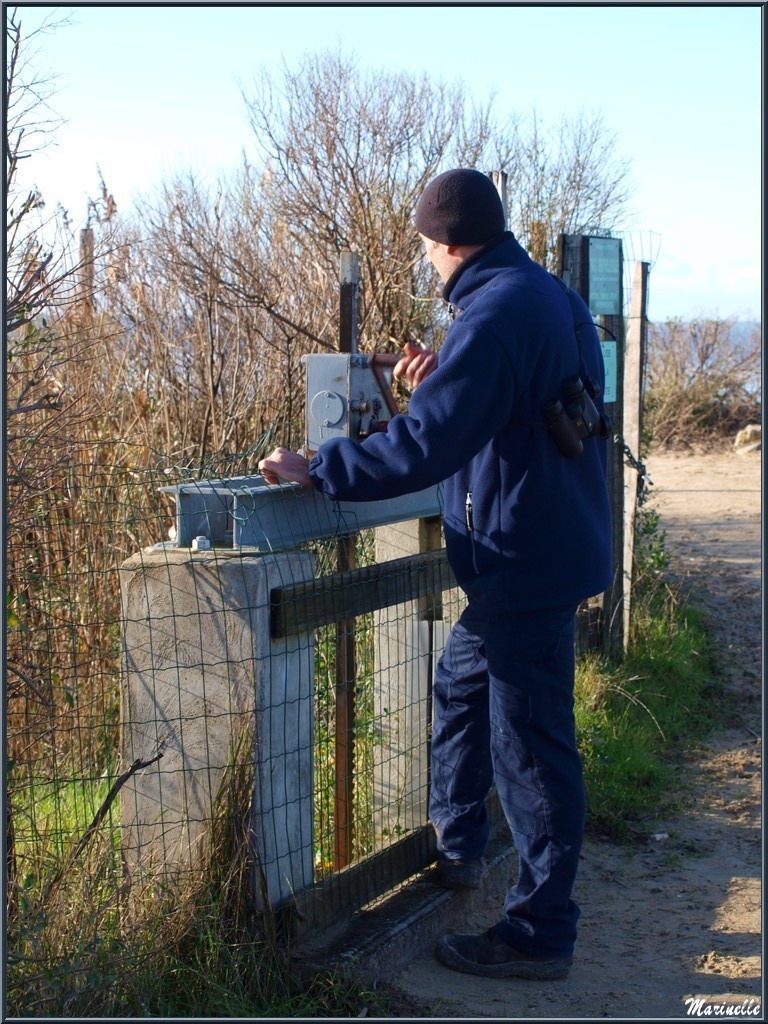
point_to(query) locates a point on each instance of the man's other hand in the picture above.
(416, 364)
(284, 465)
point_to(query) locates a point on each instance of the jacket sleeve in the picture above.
(452, 415)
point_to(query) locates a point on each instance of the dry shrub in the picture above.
(702, 380)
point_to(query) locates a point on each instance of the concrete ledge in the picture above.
(380, 940)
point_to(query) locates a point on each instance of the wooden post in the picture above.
(571, 266)
(85, 272)
(344, 752)
(634, 361)
(613, 607)
(572, 263)
(574, 268)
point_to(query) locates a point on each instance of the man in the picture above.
(528, 537)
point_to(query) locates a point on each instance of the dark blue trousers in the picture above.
(503, 712)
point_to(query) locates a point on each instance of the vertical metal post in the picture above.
(430, 539)
(344, 752)
(499, 179)
(349, 302)
(633, 420)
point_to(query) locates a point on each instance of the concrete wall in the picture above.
(201, 675)
(409, 641)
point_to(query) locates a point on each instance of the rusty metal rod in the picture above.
(346, 671)
(376, 361)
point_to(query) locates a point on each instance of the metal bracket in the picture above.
(246, 512)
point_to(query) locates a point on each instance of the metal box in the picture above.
(348, 395)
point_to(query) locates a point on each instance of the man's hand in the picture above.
(417, 363)
(282, 465)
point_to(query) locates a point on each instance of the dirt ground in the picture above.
(678, 915)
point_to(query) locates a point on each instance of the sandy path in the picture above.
(680, 916)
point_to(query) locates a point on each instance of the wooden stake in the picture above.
(85, 272)
(634, 361)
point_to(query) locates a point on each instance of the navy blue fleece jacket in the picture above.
(525, 527)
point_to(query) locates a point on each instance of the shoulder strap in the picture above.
(569, 292)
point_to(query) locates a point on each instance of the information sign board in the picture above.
(605, 276)
(609, 359)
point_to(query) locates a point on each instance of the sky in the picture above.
(148, 91)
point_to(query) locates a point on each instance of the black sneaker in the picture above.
(490, 957)
(460, 874)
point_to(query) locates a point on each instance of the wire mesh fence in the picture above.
(156, 690)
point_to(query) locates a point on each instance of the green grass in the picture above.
(635, 717)
(50, 814)
(196, 949)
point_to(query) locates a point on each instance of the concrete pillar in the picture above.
(202, 679)
(409, 641)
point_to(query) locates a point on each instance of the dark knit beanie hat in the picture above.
(460, 207)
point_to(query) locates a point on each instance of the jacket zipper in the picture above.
(471, 529)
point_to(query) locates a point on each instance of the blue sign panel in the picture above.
(609, 360)
(605, 276)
